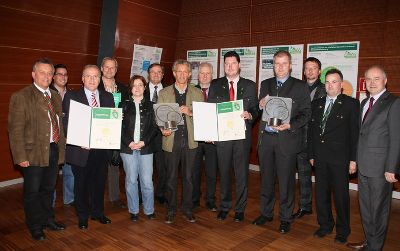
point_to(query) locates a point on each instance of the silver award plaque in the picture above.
(168, 115)
(277, 110)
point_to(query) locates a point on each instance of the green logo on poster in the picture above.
(348, 54)
(294, 50)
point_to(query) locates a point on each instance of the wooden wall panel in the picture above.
(64, 31)
(194, 7)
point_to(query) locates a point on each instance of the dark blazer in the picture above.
(246, 90)
(76, 155)
(379, 140)
(289, 140)
(148, 126)
(319, 90)
(121, 87)
(338, 143)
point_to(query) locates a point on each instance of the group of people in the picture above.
(327, 130)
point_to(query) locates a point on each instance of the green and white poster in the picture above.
(143, 57)
(267, 63)
(196, 57)
(248, 62)
(343, 56)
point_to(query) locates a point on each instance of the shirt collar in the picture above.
(283, 80)
(377, 96)
(43, 90)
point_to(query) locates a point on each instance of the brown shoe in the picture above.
(358, 245)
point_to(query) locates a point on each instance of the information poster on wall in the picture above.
(196, 57)
(343, 56)
(143, 57)
(267, 64)
(248, 61)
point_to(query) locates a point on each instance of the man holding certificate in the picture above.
(234, 152)
(88, 165)
(278, 145)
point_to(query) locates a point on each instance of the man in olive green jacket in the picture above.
(37, 144)
(179, 146)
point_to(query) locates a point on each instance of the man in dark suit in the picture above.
(206, 150)
(312, 72)
(88, 165)
(278, 146)
(152, 91)
(378, 158)
(332, 144)
(37, 144)
(229, 88)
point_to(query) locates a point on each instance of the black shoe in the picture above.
(102, 219)
(238, 217)
(321, 233)
(71, 204)
(211, 207)
(284, 227)
(83, 224)
(261, 220)
(300, 213)
(55, 226)
(134, 217)
(358, 245)
(196, 204)
(151, 216)
(160, 199)
(190, 217)
(222, 215)
(170, 218)
(38, 234)
(340, 239)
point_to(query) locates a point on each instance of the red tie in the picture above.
(371, 102)
(231, 92)
(204, 90)
(55, 137)
(94, 101)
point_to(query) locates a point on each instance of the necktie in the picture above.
(94, 102)
(371, 103)
(53, 119)
(231, 92)
(155, 95)
(204, 90)
(326, 115)
(279, 84)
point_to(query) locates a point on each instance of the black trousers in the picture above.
(332, 178)
(39, 185)
(274, 162)
(89, 185)
(184, 157)
(233, 153)
(209, 151)
(159, 161)
(375, 197)
(304, 171)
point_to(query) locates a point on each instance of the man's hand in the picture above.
(352, 167)
(136, 146)
(311, 162)
(246, 115)
(282, 127)
(262, 102)
(390, 177)
(166, 132)
(185, 110)
(24, 164)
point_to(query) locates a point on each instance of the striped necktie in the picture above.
(94, 101)
(53, 119)
(326, 115)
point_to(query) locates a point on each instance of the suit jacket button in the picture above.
(322, 141)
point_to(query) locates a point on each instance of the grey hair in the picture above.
(181, 62)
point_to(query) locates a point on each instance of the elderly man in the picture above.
(109, 68)
(37, 144)
(378, 158)
(332, 144)
(179, 146)
(206, 150)
(156, 74)
(278, 146)
(88, 165)
(234, 153)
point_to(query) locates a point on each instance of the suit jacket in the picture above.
(148, 126)
(379, 140)
(29, 126)
(246, 90)
(338, 143)
(76, 155)
(289, 140)
(167, 95)
(121, 88)
(157, 143)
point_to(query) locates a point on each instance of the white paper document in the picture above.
(218, 122)
(97, 127)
